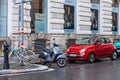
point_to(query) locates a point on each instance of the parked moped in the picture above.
(54, 55)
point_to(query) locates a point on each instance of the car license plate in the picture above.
(73, 55)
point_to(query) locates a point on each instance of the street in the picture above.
(101, 70)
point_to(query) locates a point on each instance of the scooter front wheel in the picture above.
(61, 62)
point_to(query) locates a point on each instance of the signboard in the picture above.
(38, 16)
(19, 1)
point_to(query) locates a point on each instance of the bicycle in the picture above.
(19, 54)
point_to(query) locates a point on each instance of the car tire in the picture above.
(91, 58)
(114, 55)
(61, 62)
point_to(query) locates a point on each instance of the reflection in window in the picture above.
(94, 14)
(114, 21)
(114, 15)
(94, 19)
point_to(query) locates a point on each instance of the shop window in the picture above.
(114, 15)
(94, 19)
(94, 14)
(69, 16)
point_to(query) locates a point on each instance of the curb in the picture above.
(10, 71)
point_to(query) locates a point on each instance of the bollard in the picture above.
(6, 52)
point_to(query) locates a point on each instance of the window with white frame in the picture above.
(114, 15)
(94, 14)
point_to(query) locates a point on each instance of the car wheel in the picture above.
(114, 55)
(91, 58)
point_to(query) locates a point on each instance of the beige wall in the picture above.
(55, 16)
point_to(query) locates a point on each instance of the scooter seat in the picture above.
(47, 50)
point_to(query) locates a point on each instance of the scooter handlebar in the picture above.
(54, 44)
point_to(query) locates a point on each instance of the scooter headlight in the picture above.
(82, 52)
(45, 53)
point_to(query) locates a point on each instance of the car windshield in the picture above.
(86, 41)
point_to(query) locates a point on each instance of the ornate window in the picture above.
(94, 14)
(114, 15)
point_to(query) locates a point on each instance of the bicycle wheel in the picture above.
(14, 57)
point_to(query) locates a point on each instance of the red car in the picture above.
(92, 48)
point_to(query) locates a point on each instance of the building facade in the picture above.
(63, 20)
(70, 20)
(10, 22)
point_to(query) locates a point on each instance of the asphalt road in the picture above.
(104, 69)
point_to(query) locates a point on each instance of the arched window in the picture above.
(114, 15)
(94, 14)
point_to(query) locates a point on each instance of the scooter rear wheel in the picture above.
(61, 62)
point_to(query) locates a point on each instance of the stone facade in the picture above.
(83, 13)
(14, 23)
(55, 22)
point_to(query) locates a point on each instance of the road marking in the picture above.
(15, 74)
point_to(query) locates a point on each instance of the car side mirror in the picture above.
(98, 43)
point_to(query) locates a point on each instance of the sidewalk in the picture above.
(17, 68)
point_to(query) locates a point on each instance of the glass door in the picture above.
(41, 17)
